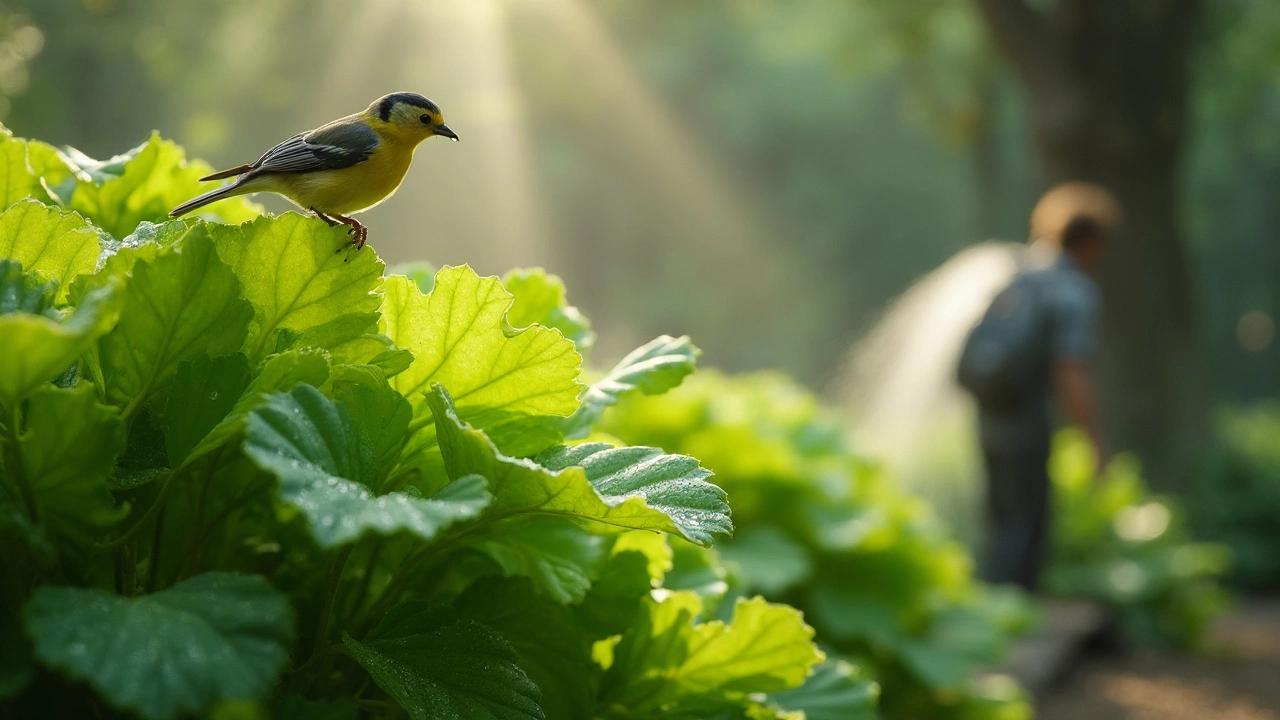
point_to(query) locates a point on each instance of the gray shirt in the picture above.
(1072, 303)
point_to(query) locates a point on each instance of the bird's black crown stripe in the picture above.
(389, 102)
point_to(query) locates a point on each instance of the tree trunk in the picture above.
(1109, 83)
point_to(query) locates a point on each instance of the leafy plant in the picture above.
(1116, 542)
(819, 528)
(1236, 497)
(243, 476)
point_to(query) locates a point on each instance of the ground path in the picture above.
(1239, 680)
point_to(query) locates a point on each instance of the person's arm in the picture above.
(1074, 385)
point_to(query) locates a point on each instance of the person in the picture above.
(1048, 358)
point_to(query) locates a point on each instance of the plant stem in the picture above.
(362, 590)
(326, 608)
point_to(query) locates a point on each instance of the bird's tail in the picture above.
(199, 201)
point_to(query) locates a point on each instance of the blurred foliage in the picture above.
(1115, 542)
(869, 141)
(1236, 498)
(819, 527)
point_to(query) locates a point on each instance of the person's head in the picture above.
(1078, 217)
(1083, 239)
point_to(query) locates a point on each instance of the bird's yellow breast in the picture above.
(352, 189)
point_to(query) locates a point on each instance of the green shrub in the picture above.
(820, 528)
(1115, 542)
(1236, 497)
(242, 477)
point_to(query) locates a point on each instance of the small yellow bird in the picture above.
(341, 168)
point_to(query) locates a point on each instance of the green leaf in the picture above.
(49, 242)
(771, 562)
(215, 637)
(179, 305)
(835, 691)
(554, 652)
(672, 484)
(144, 185)
(540, 299)
(17, 179)
(653, 368)
(638, 488)
(67, 446)
(326, 469)
(204, 392)
(558, 556)
(48, 163)
(39, 349)
(501, 378)
(379, 413)
(610, 606)
(22, 292)
(436, 665)
(666, 659)
(297, 283)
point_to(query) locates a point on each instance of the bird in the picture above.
(341, 168)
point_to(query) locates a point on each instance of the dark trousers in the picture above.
(1017, 515)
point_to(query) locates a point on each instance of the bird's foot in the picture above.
(358, 233)
(331, 222)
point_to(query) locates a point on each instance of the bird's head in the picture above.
(408, 115)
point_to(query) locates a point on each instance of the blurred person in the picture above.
(1035, 344)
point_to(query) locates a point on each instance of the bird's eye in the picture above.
(425, 118)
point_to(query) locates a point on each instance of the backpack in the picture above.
(1005, 357)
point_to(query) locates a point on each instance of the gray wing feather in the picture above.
(339, 144)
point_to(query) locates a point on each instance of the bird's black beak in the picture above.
(445, 131)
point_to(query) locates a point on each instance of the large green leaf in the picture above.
(511, 383)
(835, 691)
(652, 369)
(297, 283)
(38, 349)
(54, 244)
(215, 637)
(144, 185)
(326, 469)
(67, 445)
(554, 651)
(181, 304)
(557, 555)
(638, 488)
(438, 666)
(675, 485)
(667, 659)
(540, 299)
(17, 179)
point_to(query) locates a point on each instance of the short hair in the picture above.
(1069, 201)
(1080, 230)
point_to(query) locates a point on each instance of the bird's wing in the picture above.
(339, 144)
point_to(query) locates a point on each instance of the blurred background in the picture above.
(796, 185)
(765, 177)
